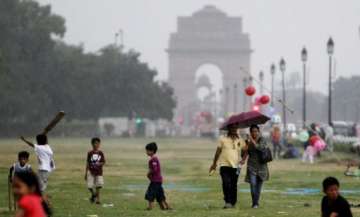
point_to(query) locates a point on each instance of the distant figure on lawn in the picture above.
(227, 156)
(276, 141)
(333, 204)
(94, 170)
(45, 156)
(155, 189)
(257, 171)
(352, 172)
(26, 188)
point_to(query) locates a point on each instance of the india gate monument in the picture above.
(209, 37)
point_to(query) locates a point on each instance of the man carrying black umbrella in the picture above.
(228, 158)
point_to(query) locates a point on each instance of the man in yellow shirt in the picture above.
(228, 157)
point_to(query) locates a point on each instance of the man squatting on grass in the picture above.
(94, 170)
(333, 204)
(155, 189)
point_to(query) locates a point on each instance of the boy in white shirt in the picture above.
(45, 157)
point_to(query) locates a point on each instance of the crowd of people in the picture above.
(232, 153)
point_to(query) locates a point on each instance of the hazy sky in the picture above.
(277, 28)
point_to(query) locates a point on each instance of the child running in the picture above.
(155, 189)
(20, 166)
(26, 187)
(45, 156)
(333, 204)
(94, 170)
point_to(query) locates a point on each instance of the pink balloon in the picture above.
(258, 100)
(320, 145)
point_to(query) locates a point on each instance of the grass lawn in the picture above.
(189, 189)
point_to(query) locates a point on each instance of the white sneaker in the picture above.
(228, 206)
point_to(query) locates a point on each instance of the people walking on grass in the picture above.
(45, 156)
(155, 189)
(94, 170)
(228, 158)
(333, 204)
(26, 188)
(276, 141)
(257, 171)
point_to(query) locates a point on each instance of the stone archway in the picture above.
(208, 36)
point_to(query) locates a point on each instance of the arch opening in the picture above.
(208, 82)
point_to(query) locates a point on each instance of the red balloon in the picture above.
(265, 99)
(250, 90)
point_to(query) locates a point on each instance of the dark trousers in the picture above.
(229, 178)
(255, 188)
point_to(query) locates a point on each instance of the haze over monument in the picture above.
(277, 28)
(211, 39)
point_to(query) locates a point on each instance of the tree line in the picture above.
(40, 74)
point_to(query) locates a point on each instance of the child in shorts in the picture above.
(333, 204)
(45, 156)
(155, 189)
(94, 170)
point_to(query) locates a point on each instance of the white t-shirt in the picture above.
(45, 157)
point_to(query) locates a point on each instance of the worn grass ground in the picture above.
(189, 189)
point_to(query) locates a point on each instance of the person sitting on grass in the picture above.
(94, 170)
(26, 188)
(333, 204)
(352, 172)
(20, 166)
(45, 157)
(155, 189)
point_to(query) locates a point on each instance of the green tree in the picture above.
(40, 74)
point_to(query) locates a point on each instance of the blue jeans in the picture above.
(255, 188)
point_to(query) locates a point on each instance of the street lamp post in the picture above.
(235, 97)
(226, 101)
(282, 69)
(304, 59)
(330, 50)
(261, 77)
(272, 72)
(245, 81)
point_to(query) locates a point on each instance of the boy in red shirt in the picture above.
(155, 189)
(94, 170)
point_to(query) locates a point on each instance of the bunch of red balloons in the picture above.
(264, 99)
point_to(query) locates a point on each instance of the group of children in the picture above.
(29, 187)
